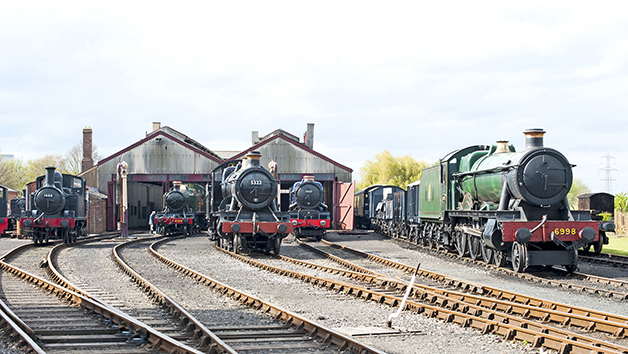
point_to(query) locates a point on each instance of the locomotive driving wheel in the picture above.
(574, 261)
(461, 243)
(474, 246)
(499, 257)
(277, 245)
(519, 257)
(237, 244)
(487, 252)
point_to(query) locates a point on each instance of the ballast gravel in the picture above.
(414, 333)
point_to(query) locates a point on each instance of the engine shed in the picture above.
(166, 155)
(292, 159)
(154, 163)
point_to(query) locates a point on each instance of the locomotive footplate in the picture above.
(564, 230)
(250, 227)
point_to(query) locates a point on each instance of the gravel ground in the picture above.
(417, 334)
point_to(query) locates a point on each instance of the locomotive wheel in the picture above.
(277, 245)
(574, 261)
(597, 247)
(66, 236)
(461, 243)
(499, 257)
(474, 246)
(487, 253)
(519, 257)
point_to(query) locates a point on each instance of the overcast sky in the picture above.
(414, 77)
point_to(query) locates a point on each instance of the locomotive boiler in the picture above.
(57, 208)
(308, 213)
(243, 214)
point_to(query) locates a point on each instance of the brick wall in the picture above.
(96, 214)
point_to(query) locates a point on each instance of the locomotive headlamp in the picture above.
(323, 223)
(587, 234)
(282, 228)
(236, 228)
(523, 235)
(28, 222)
(65, 224)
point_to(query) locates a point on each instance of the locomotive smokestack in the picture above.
(87, 162)
(534, 138)
(50, 176)
(177, 185)
(253, 158)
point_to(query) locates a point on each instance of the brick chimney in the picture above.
(87, 162)
(156, 126)
(309, 136)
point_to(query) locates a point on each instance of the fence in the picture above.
(621, 223)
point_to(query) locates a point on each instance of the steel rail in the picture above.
(206, 339)
(19, 332)
(527, 276)
(324, 334)
(619, 330)
(487, 290)
(604, 258)
(158, 341)
(466, 315)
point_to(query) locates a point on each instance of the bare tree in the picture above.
(72, 162)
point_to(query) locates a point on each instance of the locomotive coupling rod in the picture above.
(405, 297)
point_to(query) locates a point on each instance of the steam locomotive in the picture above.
(243, 214)
(495, 203)
(183, 212)
(7, 221)
(308, 212)
(57, 208)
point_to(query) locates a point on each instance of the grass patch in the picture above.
(616, 245)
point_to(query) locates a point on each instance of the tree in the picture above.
(37, 167)
(387, 169)
(72, 162)
(577, 187)
(621, 201)
(12, 173)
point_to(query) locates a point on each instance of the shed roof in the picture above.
(291, 139)
(174, 135)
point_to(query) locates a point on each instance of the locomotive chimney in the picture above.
(253, 158)
(50, 176)
(177, 185)
(502, 146)
(87, 162)
(309, 136)
(534, 138)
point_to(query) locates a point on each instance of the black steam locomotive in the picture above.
(243, 213)
(57, 208)
(308, 212)
(495, 203)
(7, 221)
(183, 212)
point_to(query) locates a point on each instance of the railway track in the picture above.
(604, 258)
(58, 320)
(508, 318)
(310, 334)
(607, 287)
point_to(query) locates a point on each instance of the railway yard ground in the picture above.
(91, 265)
